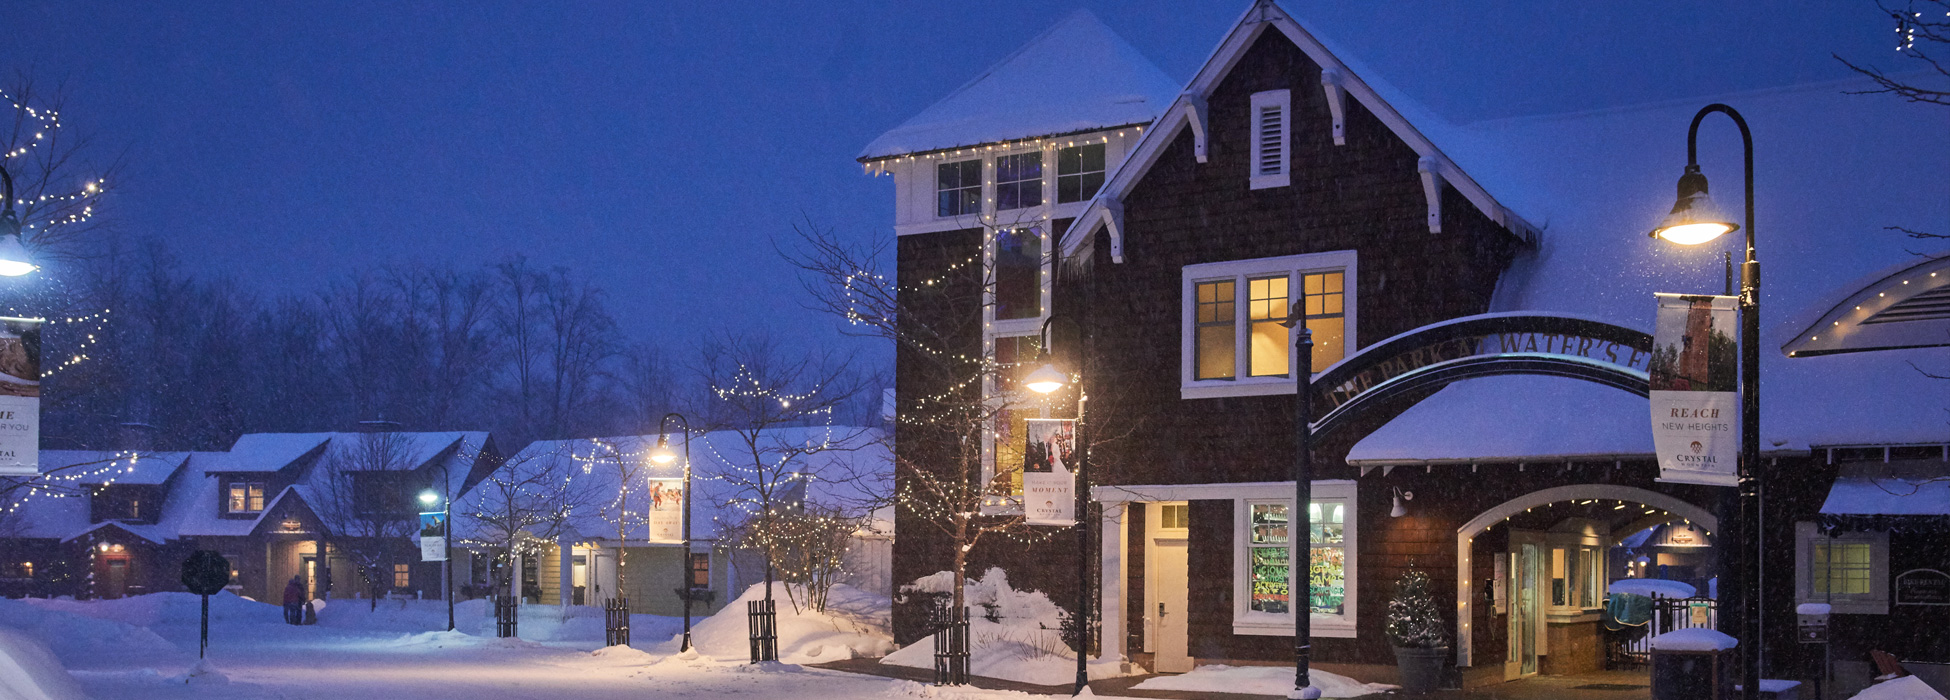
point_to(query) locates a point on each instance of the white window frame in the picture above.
(1283, 101)
(1576, 583)
(982, 192)
(1246, 621)
(1242, 383)
(1875, 602)
(994, 329)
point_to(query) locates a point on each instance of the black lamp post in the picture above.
(663, 455)
(1694, 220)
(1299, 522)
(447, 543)
(1044, 380)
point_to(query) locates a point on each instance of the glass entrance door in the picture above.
(1529, 600)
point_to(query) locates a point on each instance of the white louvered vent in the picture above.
(1272, 138)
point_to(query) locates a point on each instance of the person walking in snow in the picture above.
(294, 601)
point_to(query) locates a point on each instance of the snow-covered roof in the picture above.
(114, 467)
(592, 463)
(151, 532)
(1877, 489)
(191, 508)
(1078, 76)
(1832, 169)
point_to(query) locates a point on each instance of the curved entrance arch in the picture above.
(1480, 346)
(1466, 535)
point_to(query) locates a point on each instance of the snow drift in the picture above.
(29, 671)
(1013, 635)
(854, 624)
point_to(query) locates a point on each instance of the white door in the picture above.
(1168, 592)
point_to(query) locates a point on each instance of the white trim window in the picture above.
(1848, 570)
(1017, 266)
(1272, 133)
(1233, 342)
(958, 188)
(1264, 564)
(1019, 181)
(1079, 172)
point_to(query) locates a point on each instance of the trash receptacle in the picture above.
(1692, 664)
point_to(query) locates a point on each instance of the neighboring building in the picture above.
(653, 572)
(275, 505)
(1479, 299)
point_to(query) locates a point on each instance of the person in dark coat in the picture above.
(294, 601)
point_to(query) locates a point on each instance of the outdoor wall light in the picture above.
(1695, 219)
(1400, 510)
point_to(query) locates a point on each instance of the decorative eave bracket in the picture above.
(1114, 225)
(1196, 118)
(1432, 190)
(1330, 81)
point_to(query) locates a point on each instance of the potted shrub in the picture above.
(1416, 629)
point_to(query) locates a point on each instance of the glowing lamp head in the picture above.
(662, 454)
(13, 256)
(1045, 379)
(428, 497)
(1695, 219)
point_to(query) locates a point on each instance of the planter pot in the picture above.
(1421, 667)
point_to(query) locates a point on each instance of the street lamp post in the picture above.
(1044, 380)
(447, 545)
(1299, 520)
(1694, 220)
(13, 255)
(663, 455)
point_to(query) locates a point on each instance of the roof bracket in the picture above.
(1330, 81)
(1195, 117)
(1432, 190)
(1114, 224)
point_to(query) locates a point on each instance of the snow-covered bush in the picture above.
(1012, 634)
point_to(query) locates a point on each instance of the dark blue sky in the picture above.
(656, 148)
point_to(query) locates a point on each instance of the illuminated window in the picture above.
(958, 188)
(1848, 570)
(1015, 357)
(700, 570)
(1841, 569)
(1175, 517)
(246, 497)
(1018, 273)
(1079, 172)
(1019, 181)
(402, 575)
(1267, 564)
(1268, 556)
(1328, 571)
(1242, 349)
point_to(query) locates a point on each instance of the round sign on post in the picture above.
(206, 573)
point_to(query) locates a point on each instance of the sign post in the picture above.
(205, 573)
(20, 396)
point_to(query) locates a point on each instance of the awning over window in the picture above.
(1890, 497)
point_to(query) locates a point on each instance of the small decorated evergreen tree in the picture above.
(1414, 620)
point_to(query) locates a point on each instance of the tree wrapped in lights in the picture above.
(775, 411)
(364, 500)
(1414, 618)
(57, 191)
(524, 506)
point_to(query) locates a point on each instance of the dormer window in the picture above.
(958, 188)
(1272, 138)
(1019, 181)
(245, 497)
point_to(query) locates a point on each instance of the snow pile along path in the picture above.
(1905, 688)
(28, 671)
(854, 624)
(1023, 642)
(1261, 680)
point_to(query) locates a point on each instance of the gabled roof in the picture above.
(1443, 150)
(153, 533)
(269, 452)
(1078, 76)
(99, 467)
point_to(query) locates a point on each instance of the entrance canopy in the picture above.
(1512, 419)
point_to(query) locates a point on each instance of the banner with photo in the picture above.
(433, 536)
(1048, 485)
(667, 510)
(1695, 405)
(20, 396)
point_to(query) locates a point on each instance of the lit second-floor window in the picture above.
(1234, 314)
(958, 188)
(245, 497)
(1079, 172)
(1019, 181)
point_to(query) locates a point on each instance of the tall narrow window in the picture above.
(1326, 316)
(958, 188)
(1018, 273)
(402, 575)
(700, 570)
(1216, 343)
(1266, 308)
(1079, 172)
(1019, 181)
(1014, 355)
(1269, 557)
(1272, 138)
(1327, 567)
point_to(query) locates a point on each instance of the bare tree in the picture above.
(363, 495)
(1921, 36)
(57, 187)
(525, 505)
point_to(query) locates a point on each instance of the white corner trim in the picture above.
(1195, 113)
(1432, 190)
(1330, 81)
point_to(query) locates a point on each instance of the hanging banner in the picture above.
(433, 536)
(1695, 408)
(1048, 485)
(667, 511)
(20, 396)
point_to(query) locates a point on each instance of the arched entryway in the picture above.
(1581, 519)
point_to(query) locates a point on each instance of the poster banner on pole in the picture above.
(20, 396)
(667, 511)
(1695, 408)
(1048, 484)
(433, 536)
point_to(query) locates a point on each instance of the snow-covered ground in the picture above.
(1262, 680)
(1023, 643)
(145, 647)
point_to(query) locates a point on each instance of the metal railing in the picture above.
(1632, 646)
(616, 622)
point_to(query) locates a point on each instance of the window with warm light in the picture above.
(700, 570)
(1236, 343)
(402, 575)
(1268, 565)
(1014, 358)
(245, 497)
(1848, 570)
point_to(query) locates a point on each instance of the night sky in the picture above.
(658, 148)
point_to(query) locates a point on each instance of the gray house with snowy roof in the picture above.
(1480, 298)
